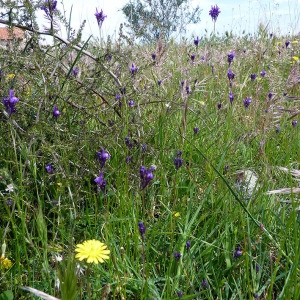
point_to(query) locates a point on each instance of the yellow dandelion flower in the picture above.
(5, 263)
(10, 76)
(295, 42)
(295, 58)
(177, 215)
(92, 250)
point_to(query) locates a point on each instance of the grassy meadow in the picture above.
(182, 158)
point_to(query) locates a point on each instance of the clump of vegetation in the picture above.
(159, 171)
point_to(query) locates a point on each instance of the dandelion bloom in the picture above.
(5, 263)
(92, 250)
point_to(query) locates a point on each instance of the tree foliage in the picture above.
(151, 19)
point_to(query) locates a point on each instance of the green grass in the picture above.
(46, 215)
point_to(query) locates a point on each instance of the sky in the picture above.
(281, 16)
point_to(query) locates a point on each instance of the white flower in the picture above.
(10, 188)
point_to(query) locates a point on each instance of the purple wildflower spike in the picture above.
(247, 102)
(214, 12)
(10, 102)
(101, 182)
(103, 156)
(146, 176)
(133, 69)
(231, 97)
(100, 16)
(196, 41)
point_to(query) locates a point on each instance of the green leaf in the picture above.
(7, 295)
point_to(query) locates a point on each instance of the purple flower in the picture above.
(214, 12)
(247, 102)
(237, 253)
(196, 130)
(230, 75)
(230, 57)
(204, 284)
(188, 90)
(103, 156)
(193, 56)
(49, 6)
(133, 69)
(231, 97)
(56, 112)
(219, 105)
(130, 103)
(178, 161)
(10, 102)
(177, 255)
(287, 43)
(49, 168)
(180, 294)
(188, 245)
(142, 229)
(8, 202)
(263, 73)
(270, 95)
(128, 159)
(196, 41)
(253, 77)
(255, 295)
(153, 55)
(159, 82)
(75, 72)
(146, 176)
(128, 142)
(294, 123)
(182, 83)
(257, 267)
(118, 96)
(101, 182)
(100, 16)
